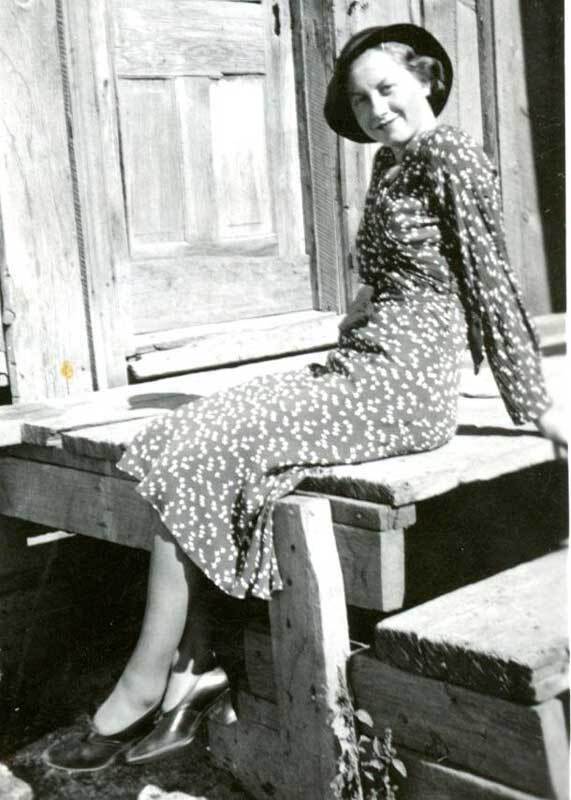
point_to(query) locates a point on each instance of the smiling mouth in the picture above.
(383, 125)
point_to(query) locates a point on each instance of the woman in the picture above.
(432, 258)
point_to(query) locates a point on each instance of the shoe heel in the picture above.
(222, 711)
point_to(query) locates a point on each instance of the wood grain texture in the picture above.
(372, 516)
(314, 53)
(430, 780)
(524, 747)
(121, 402)
(278, 335)
(480, 636)
(252, 753)
(426, 779)
(373, 566)
(94, 122)
(173, 293)
(77, 502)
(193, 103)
(40, 280)
(282, 130)
(177, 38)
(515, 151)
(151, 153)
(310, 645)
(240, 157)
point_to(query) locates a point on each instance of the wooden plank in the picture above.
(409, 479)
(373, 566)
(152, 174)
(77, 502)
(372, 516)
(240, 161)
(282, 130)
(314, 43)
(441, 19)
(193, 103)
(162, 290)
(524, 747)
(479, 636)
(310, 645)
(516, 156)
(40, 246)
(59, 457)
(259, 662)
(121, 402)
(188, 37)
(428, 779)
(96, 156)
(487, 75)
(240, 344)
(252, 754)
(468, 90)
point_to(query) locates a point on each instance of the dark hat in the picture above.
(338, 111)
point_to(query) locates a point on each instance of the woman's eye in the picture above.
(386, 88)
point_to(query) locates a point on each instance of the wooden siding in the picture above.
(40, 275)
(144, 221)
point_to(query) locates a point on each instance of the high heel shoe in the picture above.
(94, 751)
(176, 728)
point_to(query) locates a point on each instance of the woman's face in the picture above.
(389, 102)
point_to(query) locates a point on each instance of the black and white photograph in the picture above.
(283, 418)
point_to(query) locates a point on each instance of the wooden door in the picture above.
(206, 112)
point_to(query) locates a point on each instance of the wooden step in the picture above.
(524, 747)
(504, 636)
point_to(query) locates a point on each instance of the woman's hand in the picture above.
(552, 425)
(359, 311)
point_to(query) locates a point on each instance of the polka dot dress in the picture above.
(431, 247)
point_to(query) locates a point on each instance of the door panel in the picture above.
(210, 163)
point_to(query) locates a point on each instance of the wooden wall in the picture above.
(63, 250)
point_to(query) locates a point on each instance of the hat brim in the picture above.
(338, 111)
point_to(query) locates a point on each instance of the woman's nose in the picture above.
(379, 107)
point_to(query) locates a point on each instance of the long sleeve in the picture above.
(468, 201)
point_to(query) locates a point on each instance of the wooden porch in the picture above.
(358, 546)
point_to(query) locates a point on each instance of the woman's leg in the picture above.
(169, 623)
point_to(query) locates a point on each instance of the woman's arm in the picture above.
(553, 425)
(359, 311)
(467, 197)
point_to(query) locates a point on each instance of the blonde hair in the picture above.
(427, 70)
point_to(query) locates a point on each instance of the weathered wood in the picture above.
(259, 663)
(123, 402)
(251, 753)
(522, 746)
(274, 337)
(177, 39)
(281, 124)
(310, 644)
(487, 76)
(171, 293)
(426, 779)
(40, 259)
(469, 457)
(430, 780)
(78, 502)
(103, 242)
(372, 516)
(314, 43)
(505, 95)
(373, 566)
(480, 636)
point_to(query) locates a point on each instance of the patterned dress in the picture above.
(431, 247)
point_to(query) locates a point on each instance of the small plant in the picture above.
(379, 765)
